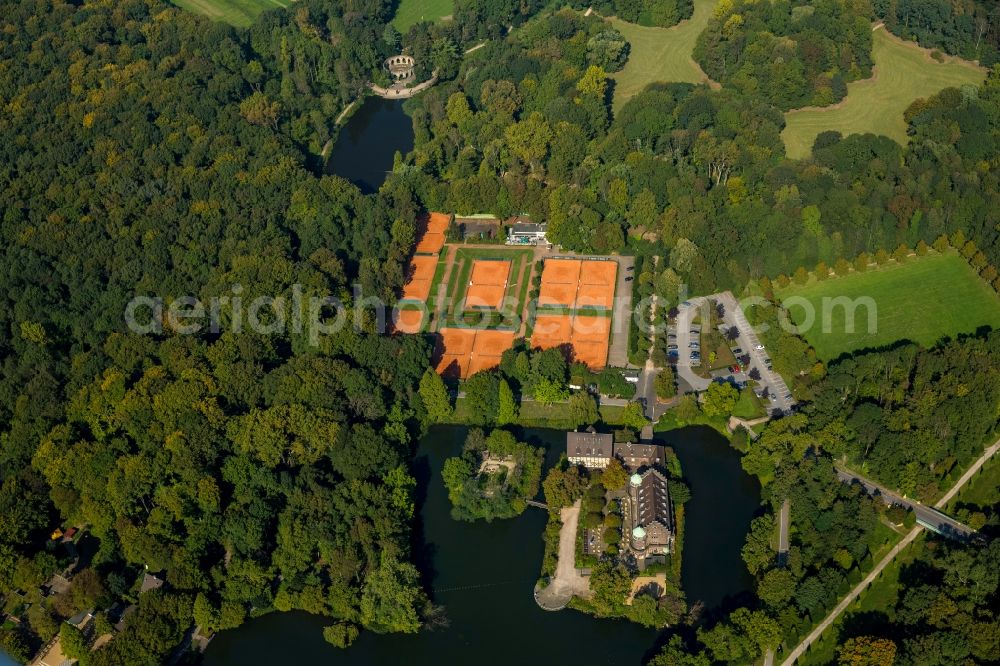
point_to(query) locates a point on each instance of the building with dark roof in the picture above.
(636, 456)
(590, 449)
(651, 514)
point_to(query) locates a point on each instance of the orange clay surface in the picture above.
(437, 223)
(593, 354)
(456, 341)
(407, 321)
(421, 271)
(430, 233)
(453, 365)
(561, 271)
(484, 296)
(595, 296)
(480, 363)
(488, 284)
(430, 244)
(598, 272)
(463, 352)
(553, 293)
(588, 336)
(551, 331)
(490, 271)
(591, 329)
(492, 343)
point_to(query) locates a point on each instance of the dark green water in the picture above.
(484, 575)
(365, 148)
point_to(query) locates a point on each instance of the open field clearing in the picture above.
(234, 12)
(410, 12)
(660, 55)
(922, 300)
(903, 72)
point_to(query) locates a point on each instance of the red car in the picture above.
(734, 369)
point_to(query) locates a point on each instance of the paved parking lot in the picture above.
(748, 341)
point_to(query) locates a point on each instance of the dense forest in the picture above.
(149, 152)
(695, 175)
(913, 417)
(967, 28)
(792, 54)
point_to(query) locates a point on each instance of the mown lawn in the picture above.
(903, 73)
(234, 12)
(414, 11)
(660, 54)
(923, 300)
(749, 407)
(983, 490)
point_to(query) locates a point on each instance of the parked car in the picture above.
(759, 347)
(734, 369)
(738, 351)
(628, 278)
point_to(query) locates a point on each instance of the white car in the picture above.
(759, 347)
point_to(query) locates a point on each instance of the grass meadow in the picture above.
(234, 12)
(410, 12)
(923, 300)
(660, 55)
(903, 72)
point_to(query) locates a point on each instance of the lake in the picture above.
(483, 574)
(364, 150)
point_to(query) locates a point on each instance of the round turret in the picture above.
(636, 480)
(638, 533)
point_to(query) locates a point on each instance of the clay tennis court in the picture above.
(598, 272)
(430, 233)
(561, 271)
(588, 328)
(453, 366)
(551, 331)
(437, 223)
(595, 296)
(555, 293)
(456, 341)
(590, 338)
(421, 271)
(481, 363)
(492, 343)
(406, 321)
(593, 354)
(463, 352)
(586, 334)
(487, 284)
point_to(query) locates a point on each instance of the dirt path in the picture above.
(567, 582)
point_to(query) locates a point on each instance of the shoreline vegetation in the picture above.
(493, 477)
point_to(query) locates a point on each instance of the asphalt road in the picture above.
(947, 525)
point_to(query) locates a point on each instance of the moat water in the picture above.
(484, 573)
(363, 152)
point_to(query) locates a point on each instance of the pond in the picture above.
(483, 574)
(363, 152)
